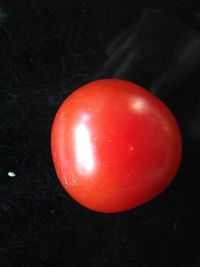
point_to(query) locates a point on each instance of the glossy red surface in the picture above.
(115, 146)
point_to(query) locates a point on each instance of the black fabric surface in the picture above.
(47, 50)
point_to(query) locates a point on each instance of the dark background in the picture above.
(49, 48)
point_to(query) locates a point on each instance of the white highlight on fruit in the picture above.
(84, 152)
(138, 104)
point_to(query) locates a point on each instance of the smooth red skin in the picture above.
(115, 146)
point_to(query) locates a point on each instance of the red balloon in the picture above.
(115, 145)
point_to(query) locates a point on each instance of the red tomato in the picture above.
(115, 145)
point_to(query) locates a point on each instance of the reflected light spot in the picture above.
(138, 105)
(85, 117)
(11, 174)
(84, 153)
